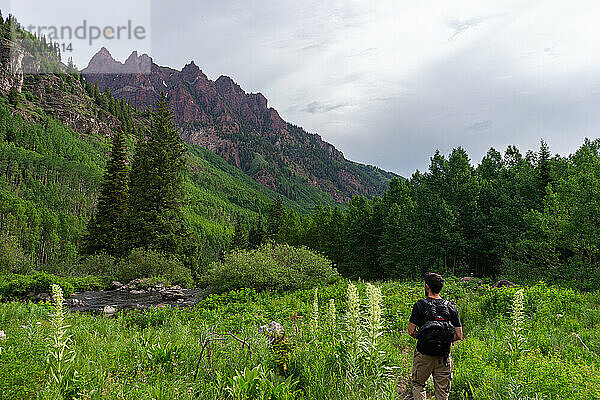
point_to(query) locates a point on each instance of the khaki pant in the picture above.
(425, 366)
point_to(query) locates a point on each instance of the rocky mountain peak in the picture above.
(259, 99)
(239, 126)
(137, 64)
(226, 85)
(103, 62)
(132, 59)
(103, 52)
(191, 67)
(191, 72)
(238, 97)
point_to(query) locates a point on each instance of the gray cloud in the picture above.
(316, 107)
(478, 126)
(381, 80)
(388, 82)
(459, 26)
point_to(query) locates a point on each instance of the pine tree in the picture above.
(256, 234)
(396, 246)
(275, 219)
(240, 236)
(543, 169)
(460, 194)
(155, 218)
(13, 96)
(290, 227)
(105, 229)
(398, 192)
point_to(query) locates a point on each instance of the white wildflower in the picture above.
(331, 315)
(315, 313)
(353, 313)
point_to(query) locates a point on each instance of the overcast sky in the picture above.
(390, 81)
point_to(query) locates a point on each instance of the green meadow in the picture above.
(346, 340)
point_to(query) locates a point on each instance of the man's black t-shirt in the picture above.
(419, 316)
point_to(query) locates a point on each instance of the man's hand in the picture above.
(458, 333)
(412, 330)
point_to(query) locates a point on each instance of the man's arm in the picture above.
(412, 330)
(458, 333)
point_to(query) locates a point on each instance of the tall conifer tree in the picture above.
(106, 227)
(275, 219)
(155, 219)
(543, 167)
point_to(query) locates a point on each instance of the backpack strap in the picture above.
(431, 309)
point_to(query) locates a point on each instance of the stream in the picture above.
(124, 300)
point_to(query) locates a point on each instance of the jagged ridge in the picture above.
(220, 116)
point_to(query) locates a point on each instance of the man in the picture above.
(438, 326)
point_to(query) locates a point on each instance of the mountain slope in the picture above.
(220, 116)
(54, 141)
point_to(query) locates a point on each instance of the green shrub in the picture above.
(14, 286)
(151, 264)
(99, 264)
(13, 96)
(12, 257)
(88, 283)
(271, 266)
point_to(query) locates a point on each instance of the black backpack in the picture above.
(436, 335)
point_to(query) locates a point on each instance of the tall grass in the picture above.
(360, 349)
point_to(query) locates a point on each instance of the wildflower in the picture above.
(353, 314)
(59, 299)
(60, 356)
(517, 311)
(2, 335)
(374, 324)
(331, 314)
(374, 299)
(315, 313)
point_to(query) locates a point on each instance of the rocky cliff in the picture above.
(60, 95)
(220, 116)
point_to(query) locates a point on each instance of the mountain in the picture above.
(240, 127)
(54, 141)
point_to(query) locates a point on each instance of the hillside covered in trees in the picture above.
(55, 134)
(529, 216)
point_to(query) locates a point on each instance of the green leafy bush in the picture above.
(15, 286)
(99, 264)
(151, 264)
(88, 283)
(12, 257)
(271, 266)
